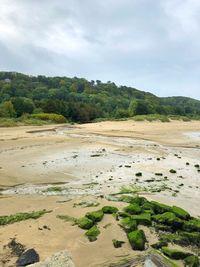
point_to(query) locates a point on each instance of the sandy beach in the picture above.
(90, 162)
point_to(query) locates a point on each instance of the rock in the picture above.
(109, 209)
(192, 225)
(168, 218)
(159, 207)
(155, 260)
(128, 224)
(117, 243)
(60, 259)
(137, 239)
(174, 253)
(143, 219)
(133, 209)
(180, 213)
(192, 261)
(92, 233)
(28, 257)
(95, 216)
(85, 223)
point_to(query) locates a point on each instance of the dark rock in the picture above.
(28, 257)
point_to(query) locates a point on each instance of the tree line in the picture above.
(80, 100)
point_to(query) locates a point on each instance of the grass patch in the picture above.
(55, 189)
(10, 219)
(68, 218)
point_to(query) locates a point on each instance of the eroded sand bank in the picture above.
(91, 161)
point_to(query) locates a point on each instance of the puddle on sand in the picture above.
(193, 135)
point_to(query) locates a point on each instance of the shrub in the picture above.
(50, 117)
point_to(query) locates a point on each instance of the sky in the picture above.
(152, 45)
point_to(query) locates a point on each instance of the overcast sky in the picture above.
(153, 45)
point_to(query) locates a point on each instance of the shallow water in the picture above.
(193, 135)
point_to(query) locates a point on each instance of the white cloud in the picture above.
(150, 44)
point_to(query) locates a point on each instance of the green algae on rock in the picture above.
(85, 223)
(95, 216)
(175, 253)
(109, 209)
(128, 224)
(92, 233)
(133, 209)
(137, 239)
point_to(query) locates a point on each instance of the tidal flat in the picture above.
(74, 169)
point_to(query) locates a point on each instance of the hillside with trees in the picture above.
(79, 100)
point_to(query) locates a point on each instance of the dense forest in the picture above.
(79, 100)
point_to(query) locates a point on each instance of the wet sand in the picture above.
(91, 161)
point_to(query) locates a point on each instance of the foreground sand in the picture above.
(90, 161)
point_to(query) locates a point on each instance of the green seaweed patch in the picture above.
(159, 207)
(137, 239)
(109, 209)
(192, 225)
(133, 209)
(10, 219)
(128, 224)
(192, 261)
(143, 219)
(175, 253)
(180, 213)
(92, 233)
(117, 243)
(67, 218)
(159, 244)
(133, 200)
(95, 216)
(168, 218)
(85, 223)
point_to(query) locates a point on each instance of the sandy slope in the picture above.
(91, 159)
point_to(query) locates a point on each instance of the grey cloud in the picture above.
(149, 44)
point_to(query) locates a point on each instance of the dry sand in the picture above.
(90, 161)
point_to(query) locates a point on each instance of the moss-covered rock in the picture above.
(148, 206)
(192, 261)
(168, 218)
(190, 238)
(85, 223)
(117, 243)
(133, 200)
(171, 238)
(128, 224)
(137, 239)
(109, 209)
(95, 216)
(160, 208)
(133, 209)
(180, 213)
(163, 228)
(192, 225)
(92, 233)
(174, 253)
(143, 219)
(123, 214)
(159, 245)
